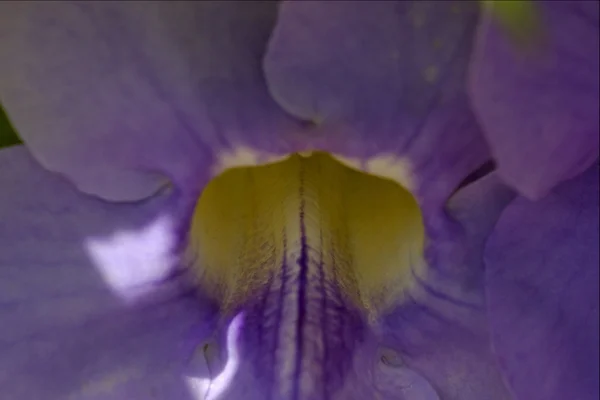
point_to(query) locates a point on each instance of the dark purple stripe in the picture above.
(324, 325)
(302, 278)
(262, 306)
(339, 309)
(284, 271)
(337, 305)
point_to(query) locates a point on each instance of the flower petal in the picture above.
(119, 95)
(440, 330)
(89, 309)
(384, 82)
(539, 106)
(542, 290)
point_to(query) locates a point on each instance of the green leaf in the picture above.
(8, 136)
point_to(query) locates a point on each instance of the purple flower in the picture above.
(187, 219)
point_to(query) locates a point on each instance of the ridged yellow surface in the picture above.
(368, 230)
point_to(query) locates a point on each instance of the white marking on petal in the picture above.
(242, 156)
(383, 165)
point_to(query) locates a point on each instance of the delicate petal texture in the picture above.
(382, 78)
(118, 95)
(441, 330)
(539, 106)
(542, 290)
(76, 322)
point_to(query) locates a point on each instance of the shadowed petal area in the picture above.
(81, 323)
(542, 291)
(121, 96)
(384, 83)
(441, 330)
(539, 105)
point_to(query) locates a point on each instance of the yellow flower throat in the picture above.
(362, 232)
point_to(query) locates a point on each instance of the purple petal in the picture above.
(540, 109)
(542, 289)
(88, 307)
(404, 384)
(119, 95)
(441, 330)
(382, 79)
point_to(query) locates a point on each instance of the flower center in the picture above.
(311, 251)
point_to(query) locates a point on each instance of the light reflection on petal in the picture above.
(212, 389)
(131, 261)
